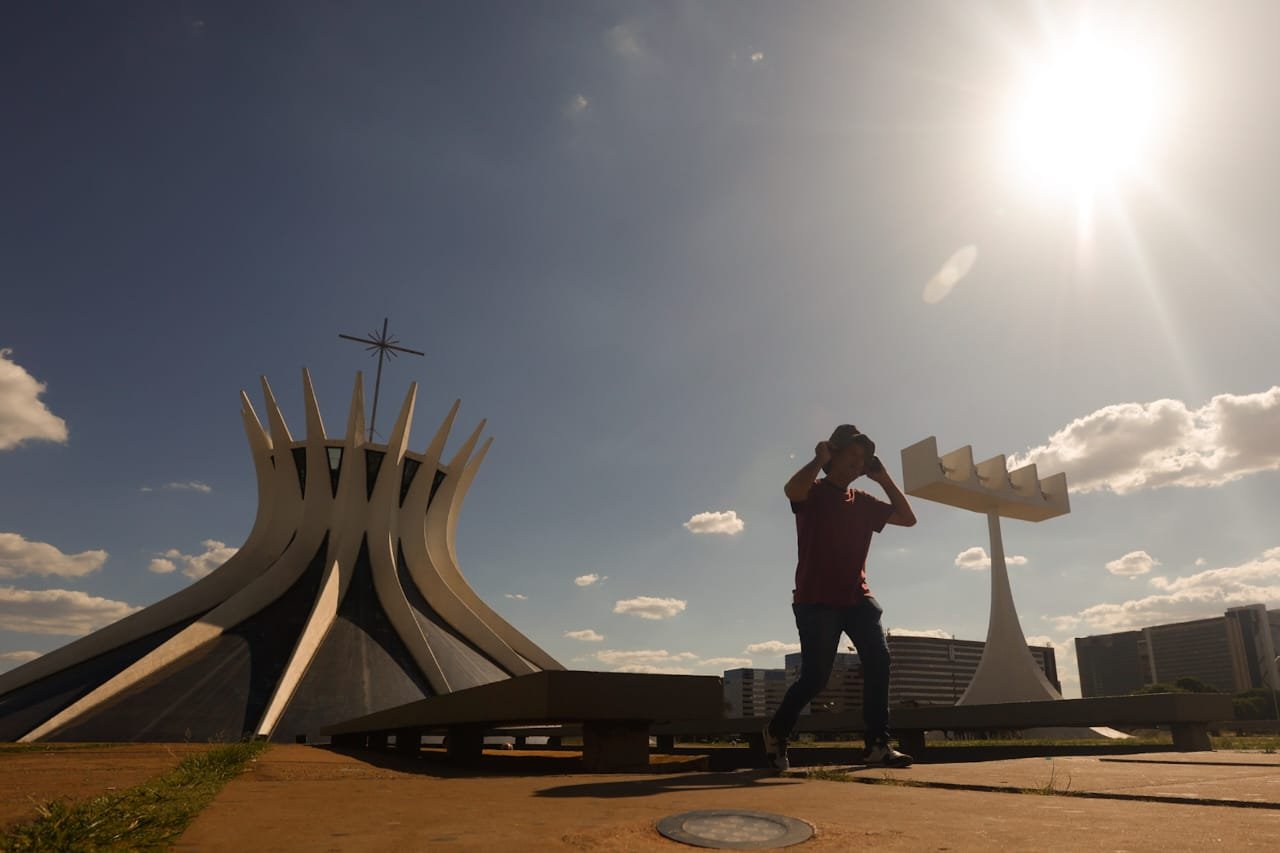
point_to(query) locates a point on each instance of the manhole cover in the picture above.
(735, 829)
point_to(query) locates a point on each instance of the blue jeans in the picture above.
(820, 627)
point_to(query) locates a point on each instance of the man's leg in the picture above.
(862, 624)
(819, 629)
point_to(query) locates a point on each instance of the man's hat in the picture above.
(847, 434)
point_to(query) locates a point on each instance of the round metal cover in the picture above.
(735, 829)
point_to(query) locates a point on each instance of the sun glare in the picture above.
(1087, 116)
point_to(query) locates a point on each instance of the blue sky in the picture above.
(664, 249)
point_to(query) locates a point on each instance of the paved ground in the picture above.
(1220, 777)
(29, 777)
(298, 797)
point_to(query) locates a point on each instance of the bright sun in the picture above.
(1086, 117)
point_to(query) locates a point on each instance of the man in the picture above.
(834, 526)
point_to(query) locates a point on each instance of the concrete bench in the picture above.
(615, 710)
(1188, 716)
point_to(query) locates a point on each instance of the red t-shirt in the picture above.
(833, 530)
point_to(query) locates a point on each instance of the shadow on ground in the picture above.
(721, 758)
(518, 763)
(668, 784)
(666, 774)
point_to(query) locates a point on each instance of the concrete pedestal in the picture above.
(1190, 737)
(465, 743)
(408, 741)
(614, 744)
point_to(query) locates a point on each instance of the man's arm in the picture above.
(797, 488)
(902, 514)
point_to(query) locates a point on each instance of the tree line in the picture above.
(1258, 703)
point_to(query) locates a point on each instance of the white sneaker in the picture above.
(883, 755)
(775, 751)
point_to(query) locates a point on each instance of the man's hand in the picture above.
(797, 488)
(902, 514)
(822, 453)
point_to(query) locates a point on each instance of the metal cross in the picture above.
(386, 347)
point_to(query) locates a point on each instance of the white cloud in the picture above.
(726, 663)
(189, 486)
(651, 669)
(927, 632)
(8, 660)
(647, 607)
(588, 580)
(772, 648)
(194, 566)
(757, 57)
(1201, 561)
(1133, 564)
(576, 105)
(625, 41)
(20, 556)
(949, 275)
(586, 635)
(1198, 596)
(715, 522)
(23, 416)
(517, 596)
(976, 559)
(618, 657)
(1133, 446)
(57, 611)
(663, 661)
(18, 657)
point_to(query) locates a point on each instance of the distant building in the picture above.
(1231, 653)
(936, 670)
(754, 692)
(1253, 633)
(1112, 664)
(843, 691)
(926, 671)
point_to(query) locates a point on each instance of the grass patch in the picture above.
(1054, 787)
(147, 817)
(825, 775)
(1050, 788)
(1266, 743)
(832, 775)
